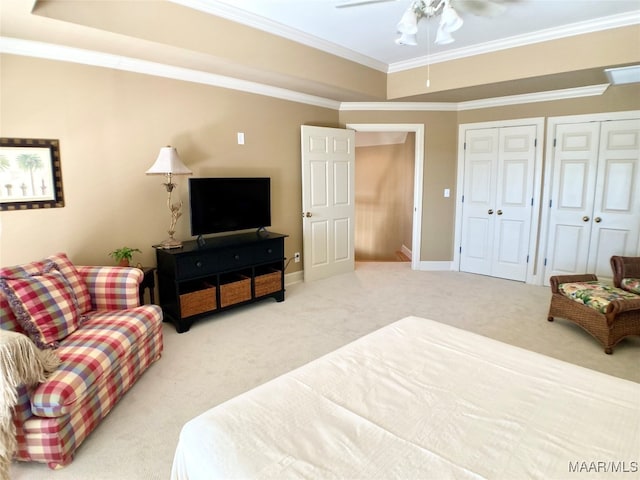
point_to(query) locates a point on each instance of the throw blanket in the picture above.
(21, 362)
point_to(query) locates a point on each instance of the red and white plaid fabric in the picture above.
(56, 429)
(100, 362)
(44, 305)
(65, 266)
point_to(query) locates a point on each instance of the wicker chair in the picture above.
(624, 267)
(622, 317)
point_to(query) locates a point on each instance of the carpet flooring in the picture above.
(231, 352)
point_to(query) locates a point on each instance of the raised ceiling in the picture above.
(343, 55)
(368, 31)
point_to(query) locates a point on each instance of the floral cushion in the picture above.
(44, 304)
(631, 284)
(594, 294)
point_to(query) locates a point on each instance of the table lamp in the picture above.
(168, 163)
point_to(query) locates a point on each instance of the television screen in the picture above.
(229, 204)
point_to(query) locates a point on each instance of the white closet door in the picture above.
(478, 214)
(575, 160)
(516, 159)
(616, 212)
(498, 190)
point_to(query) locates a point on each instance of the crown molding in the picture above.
(29, 48)
(399, 106)
(548, 96)
(238, 15)
(579, 28)
(255, 21)
(62, 53)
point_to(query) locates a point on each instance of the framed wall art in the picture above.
(30, 174)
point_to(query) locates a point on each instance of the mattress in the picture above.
(420, 399)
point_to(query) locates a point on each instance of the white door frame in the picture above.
(418, 129)
(552, 123)
(532, 274)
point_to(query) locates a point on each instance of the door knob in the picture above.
(585, 219)
(597, 219)
(490, 212)
(308, 214)
(499, 212)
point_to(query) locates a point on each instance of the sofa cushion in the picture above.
(107, 341)
(44, 304)
(594, 294)
(631, 284)
(65, 266)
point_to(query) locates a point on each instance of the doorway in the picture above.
(384, 196)
(416, 133)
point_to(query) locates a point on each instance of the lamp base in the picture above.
(170, 243)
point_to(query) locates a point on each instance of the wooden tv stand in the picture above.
(224, 272)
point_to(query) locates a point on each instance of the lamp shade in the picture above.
(443, 37)
(168, 161)
(450, 21)
(408, 23)
(407, 39)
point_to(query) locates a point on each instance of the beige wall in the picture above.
(438, 213)
(111, 125)
(441, 156)
(384, 200)
(617, 46)
(199, 41)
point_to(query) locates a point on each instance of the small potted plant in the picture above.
(123, 255)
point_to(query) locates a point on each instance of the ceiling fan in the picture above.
(450, 21)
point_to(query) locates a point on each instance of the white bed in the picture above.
(419, 399)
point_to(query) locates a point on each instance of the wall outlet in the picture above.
(296, 257)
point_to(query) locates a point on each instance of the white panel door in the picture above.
(595, 197)
(575, 158)
(328, 201)
(479, 194)
(516, 161)
(616, 210)
(498, 190)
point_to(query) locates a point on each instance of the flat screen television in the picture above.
(229, 204)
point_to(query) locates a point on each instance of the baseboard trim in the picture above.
(435, 266)
(293, 277)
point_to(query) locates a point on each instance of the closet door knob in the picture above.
(585, 219)
(490, 212)
(499, 212)
(597, 219)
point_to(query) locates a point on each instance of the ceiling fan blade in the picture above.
(357, 3)
(485, 8)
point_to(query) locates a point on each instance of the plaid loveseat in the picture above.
(105, 351)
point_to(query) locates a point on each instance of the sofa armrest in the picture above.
(112, 288)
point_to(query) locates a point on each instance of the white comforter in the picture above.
(419, 399)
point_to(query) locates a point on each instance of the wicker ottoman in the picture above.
(619, 317)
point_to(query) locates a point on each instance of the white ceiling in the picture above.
(367, 33)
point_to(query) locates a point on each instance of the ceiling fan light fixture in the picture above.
(450, 20)
(408, 23)
(443, 37)
(407, 39)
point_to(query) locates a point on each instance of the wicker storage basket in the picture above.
(200, 301)
(268, 282)
(235, 291)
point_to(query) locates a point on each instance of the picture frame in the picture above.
(30, 174)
